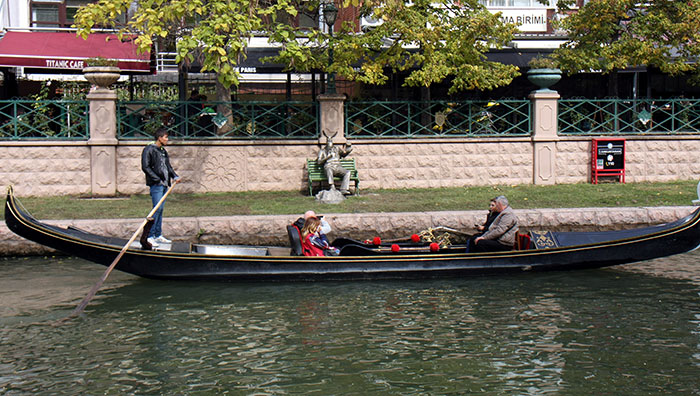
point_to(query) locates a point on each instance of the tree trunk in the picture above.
(223, 107)
(182, 97)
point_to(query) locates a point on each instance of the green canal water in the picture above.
(633, 330)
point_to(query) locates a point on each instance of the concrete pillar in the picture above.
(332, 117)
(544, 135)
(103, 141)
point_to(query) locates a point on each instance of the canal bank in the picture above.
(270, 229)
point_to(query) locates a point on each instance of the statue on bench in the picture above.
(329, 157)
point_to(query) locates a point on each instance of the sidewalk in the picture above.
(270, 229)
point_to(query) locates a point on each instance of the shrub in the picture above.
(100, 61)
(543, 62)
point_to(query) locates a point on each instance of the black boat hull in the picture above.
(658, 241)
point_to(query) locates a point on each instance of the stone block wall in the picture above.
(45, 168)
(663, 159)
(573, 161)
(222, 166)
(268, 166)
(647, 159)
(59, 168)
(435, 163)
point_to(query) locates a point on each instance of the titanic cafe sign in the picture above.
(527, 20)
(65, 64)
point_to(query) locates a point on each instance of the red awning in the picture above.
(64, 52)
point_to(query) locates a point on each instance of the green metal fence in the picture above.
(218, 120)
(68, 120)
(44, 119)
(627, 116)
(402, 119)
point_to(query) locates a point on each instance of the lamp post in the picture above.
(330, 13)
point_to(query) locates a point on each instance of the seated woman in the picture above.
(312, 244)
(490, 217)
(483, 228)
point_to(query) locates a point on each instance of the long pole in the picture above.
(331, 75)
(109, 269)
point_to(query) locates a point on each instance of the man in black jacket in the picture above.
(156, 165)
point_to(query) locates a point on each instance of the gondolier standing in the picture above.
(155, 163)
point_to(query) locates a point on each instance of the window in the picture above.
(55, 13)
(45, 15)
(72, 8)
(308, 19)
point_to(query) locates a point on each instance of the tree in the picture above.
(431, 40)
(609, 35)
(215, 31)
(218, 31)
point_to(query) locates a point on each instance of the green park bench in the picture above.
(317, 174)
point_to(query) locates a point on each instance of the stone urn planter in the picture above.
(102, 76)
(544, 78)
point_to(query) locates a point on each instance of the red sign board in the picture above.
(607, 159)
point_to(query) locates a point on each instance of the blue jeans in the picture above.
(157, 192)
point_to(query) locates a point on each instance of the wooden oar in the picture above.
(109, 269)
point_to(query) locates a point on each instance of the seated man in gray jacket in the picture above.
(501, 233)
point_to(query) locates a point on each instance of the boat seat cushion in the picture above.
(522, 242)
(294, 239)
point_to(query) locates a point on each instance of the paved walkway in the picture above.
(271, 229)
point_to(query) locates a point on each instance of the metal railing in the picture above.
(628, 116)
(69, 119)
(44, 119)
(165, 62)
(402, 119)
(218, 120)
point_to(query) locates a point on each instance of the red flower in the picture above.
(395, 248)
(367, 241)
(434, 247)
(415, 238)
(377, 241)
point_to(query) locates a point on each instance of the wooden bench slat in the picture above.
(317, 174)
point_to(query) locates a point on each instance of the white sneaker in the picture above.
(153, 242)
(162, 239)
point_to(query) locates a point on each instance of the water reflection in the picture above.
(35, 284)
(586, 332)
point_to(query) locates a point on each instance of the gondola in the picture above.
(360, 260)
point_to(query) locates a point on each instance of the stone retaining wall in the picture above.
(647, 159)
(55, 168)
(271, 229)
(46, 168)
